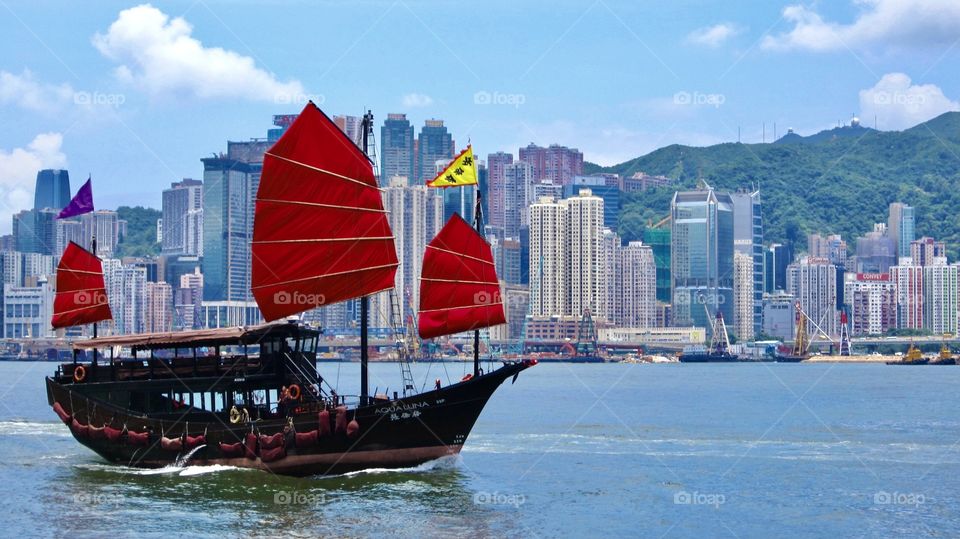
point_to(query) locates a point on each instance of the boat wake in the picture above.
(450, 462)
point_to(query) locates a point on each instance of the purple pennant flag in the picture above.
(81, 203)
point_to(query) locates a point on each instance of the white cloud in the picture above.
(417, 100)
(18, 173)
(901, 23)
(713, 36)
(899, 104)
(25, 91)
(158, 54)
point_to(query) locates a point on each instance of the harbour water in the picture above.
(666, 450)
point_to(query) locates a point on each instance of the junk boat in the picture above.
(253, 397)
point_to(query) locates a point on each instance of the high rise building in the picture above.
(877, 251)
(900, 227)
(351, 127)
(612, 268)
(743, 302)
(396, 147)
(52, 189)
(229, 190)
(928, 252)
(831, 247)
(637, 290)
(775, 261)
(598, 185)
(815, 283)
(555, 163)
(585, 259)
(748, 240)
(157, 307)
(496, 177)
(701, 264)
(183, 218)
(125, 291)
(908, 284)
(188, 298)
(940, 299)
(35, 231)
(517, 197)
(548, 275)
(416, 216)
(658, 238)
(872, 302)
(434, 144)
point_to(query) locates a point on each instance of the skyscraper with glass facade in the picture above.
(52, 189)
(702, 256)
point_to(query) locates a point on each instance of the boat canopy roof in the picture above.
(238, 335)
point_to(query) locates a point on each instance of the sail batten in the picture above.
(320, 232)
(81, 296)
(459, 289)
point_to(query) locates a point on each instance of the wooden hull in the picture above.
(392, 434)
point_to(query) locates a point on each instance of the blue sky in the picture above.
(136, 94)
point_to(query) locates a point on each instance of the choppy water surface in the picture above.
(570, 450)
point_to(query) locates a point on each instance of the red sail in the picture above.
(320, 233)
(81, 296)
(459, 290)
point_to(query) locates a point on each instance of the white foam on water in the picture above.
(191, 471)
(33, 428)
(448, 462)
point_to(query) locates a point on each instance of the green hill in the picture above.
(141, 238)
(837, 181)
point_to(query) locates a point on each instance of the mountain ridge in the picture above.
(840, 180)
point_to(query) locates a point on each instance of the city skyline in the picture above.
(697, 76)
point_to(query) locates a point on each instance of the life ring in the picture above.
(79, 374)
(294, 392)
(468, 376)
(234, 415)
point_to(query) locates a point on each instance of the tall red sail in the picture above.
(81, 296)
(459, 290)
(320, 233)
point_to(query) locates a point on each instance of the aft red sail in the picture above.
(81, 296)
(320, 233)
(459, 290)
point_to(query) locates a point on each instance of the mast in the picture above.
(93, 247)
(478, 225)
(366, 125)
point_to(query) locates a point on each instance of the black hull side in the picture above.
(392, 434)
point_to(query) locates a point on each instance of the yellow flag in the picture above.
(461, 171)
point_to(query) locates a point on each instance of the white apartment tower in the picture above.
(548, 285)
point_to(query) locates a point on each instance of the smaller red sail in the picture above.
(81, 295)
(459, 290)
